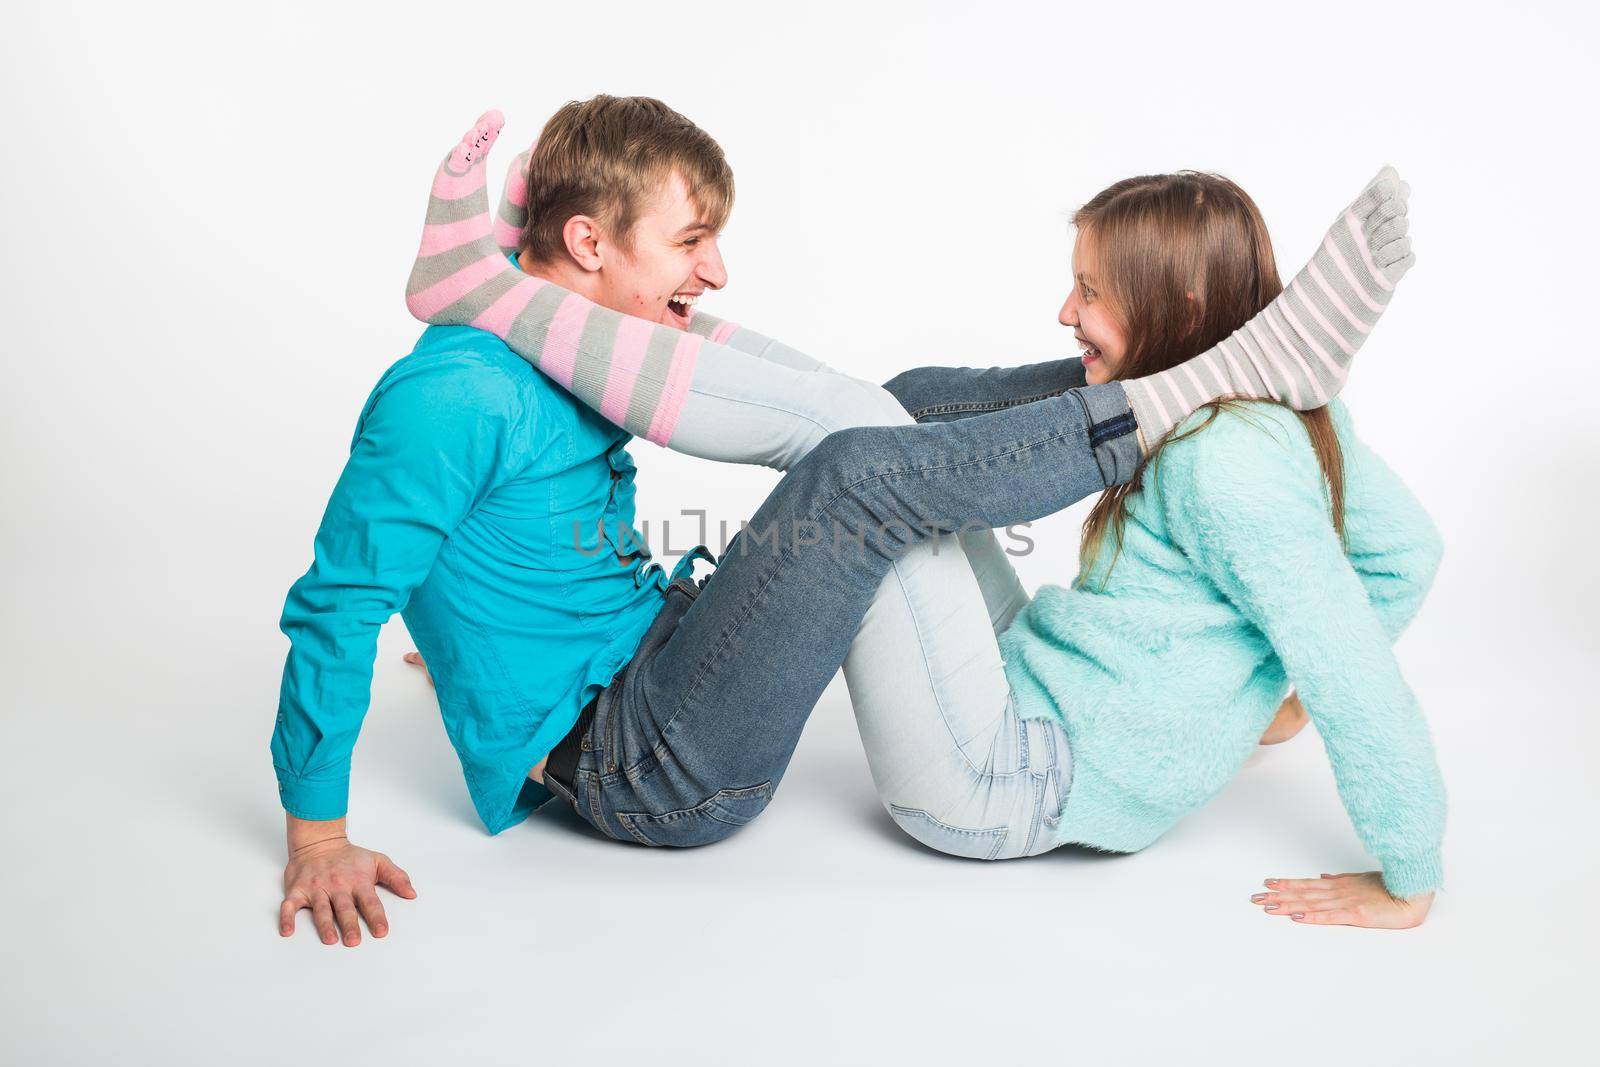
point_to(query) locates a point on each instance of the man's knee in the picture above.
(844, 455)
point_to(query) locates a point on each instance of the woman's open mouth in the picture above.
(1091, 353)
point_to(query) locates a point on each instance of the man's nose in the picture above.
(711, 269)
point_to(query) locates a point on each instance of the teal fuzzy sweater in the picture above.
(1231, 585)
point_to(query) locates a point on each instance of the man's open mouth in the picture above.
(681, 307)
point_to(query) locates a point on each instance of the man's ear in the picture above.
(581, 235)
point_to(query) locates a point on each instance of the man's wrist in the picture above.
(303, 833)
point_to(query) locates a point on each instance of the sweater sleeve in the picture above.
(1392, 543)
(1245, 500)
(429, 447)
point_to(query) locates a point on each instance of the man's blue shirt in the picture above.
(472, 502)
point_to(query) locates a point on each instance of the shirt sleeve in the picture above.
(431, 444)
(1249, 508)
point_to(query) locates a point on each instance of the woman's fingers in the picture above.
(1319, 897)
(1332, 917)
(371, 909)
(322, 918)
(1297, 883)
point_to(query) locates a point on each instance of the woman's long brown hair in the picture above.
(1184, 260)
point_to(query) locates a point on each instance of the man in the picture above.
(468, 475)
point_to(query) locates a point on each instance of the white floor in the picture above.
(143, 869)
(213, 210)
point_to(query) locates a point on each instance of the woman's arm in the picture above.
(1391, 542)
(1245, 500)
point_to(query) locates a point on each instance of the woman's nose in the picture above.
(1069, 310)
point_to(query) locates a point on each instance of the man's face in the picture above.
(672, 261)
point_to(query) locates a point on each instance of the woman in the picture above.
(1001, 460)
(1256, 547)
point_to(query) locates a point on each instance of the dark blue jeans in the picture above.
(689, 742)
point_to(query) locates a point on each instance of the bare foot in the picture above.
(415, 659)
(1290, 720)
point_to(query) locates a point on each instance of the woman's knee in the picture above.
(851, 402)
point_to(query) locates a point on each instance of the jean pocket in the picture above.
(711, 820)
(951, 840)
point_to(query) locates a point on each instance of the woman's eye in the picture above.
(1088, 293)
(691, 242)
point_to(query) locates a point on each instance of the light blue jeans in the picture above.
(953, 763)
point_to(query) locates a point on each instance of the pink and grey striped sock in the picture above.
(633, 372)
(513, 213)
(1299, 347)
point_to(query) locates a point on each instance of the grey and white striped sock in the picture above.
(1298, 349)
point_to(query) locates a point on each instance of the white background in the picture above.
(209, 215)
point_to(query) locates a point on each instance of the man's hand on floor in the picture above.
(338, 881)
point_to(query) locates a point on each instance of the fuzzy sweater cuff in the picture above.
(1413, 876)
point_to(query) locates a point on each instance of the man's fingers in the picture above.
(322, 918)
(371, 909)
(287, 911)
(394, 879)
(344, 913)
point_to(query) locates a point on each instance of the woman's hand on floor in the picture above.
(1343, 900)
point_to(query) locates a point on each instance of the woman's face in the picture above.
(1099, 334)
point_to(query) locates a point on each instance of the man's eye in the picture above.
(692, 241)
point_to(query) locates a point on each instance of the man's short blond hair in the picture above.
(605, 157)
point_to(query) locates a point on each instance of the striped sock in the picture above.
(1299, 348)
(513, 213)
(633, 372)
